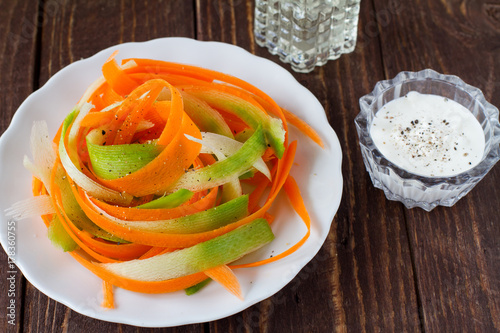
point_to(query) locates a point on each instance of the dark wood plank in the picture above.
(456, 250)
(376, 276)
(18, 23)
(18, 26)
(383, 267)
(362, 279)
(78, 30)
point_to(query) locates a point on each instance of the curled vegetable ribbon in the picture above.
(164, 174)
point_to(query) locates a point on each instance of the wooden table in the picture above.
(383, 267)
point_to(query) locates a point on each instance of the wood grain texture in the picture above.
(77, 29)
(372, 245)
(362, 279)
(456, 250)
(383, 268)
(18, 23)
(18, 39)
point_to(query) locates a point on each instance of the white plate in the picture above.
(59, 276)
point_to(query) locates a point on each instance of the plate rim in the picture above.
(22, 110)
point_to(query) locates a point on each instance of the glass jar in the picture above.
(306, 33)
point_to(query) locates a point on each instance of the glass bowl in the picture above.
(415, 190)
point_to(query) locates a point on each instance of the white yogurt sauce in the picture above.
(428, 135)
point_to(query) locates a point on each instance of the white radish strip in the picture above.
(206, 148)
(144, 125)
(84, 110)
(219, 144)
(31, 167)
(43, 153)
(231, 189)
(35, 206)
(112, 106)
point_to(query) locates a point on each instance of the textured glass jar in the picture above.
(415, 190)
(306, 33)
